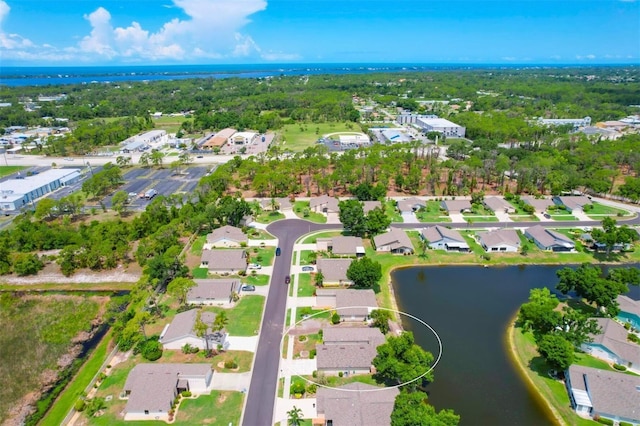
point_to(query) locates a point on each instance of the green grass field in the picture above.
(601, 209)
(258, 279)
(35, 331)
(313, 238)
(305, 286)
(268, 217)
(297, 137)
(170, 124)
(302, 207)
(7, 170)
(245, 317)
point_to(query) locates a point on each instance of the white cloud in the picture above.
(101, 37)
(10, 41)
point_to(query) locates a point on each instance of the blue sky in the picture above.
(109, 32)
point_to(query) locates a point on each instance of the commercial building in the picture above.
(242, 138)
(18, 193)
(575, 122)
(441, 125)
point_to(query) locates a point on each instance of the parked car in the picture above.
(248, 288)
(547, 215)
(307, 268)
(277, 251)
(200, 156)
(287, 279)
(254, 266)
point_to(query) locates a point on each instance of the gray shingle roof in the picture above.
(629, 305)
(499, 237)
(348, 299)
(614, 338)
(548, 237)
(356, 404)
(227, 232)
(345, 348)
(324, 201)
(574, 202)
(334, 270)
(410, 204)
(540, 204)
(437, 233)
(152, 386)
(346, 245)
(212, 289)
(396, 238)
(610, 392)
(367, 206)
(497, 204)
(223, 260)
(352, 336)
(456, 205)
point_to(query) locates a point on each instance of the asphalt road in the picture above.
(264, 379)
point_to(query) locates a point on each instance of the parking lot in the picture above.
(165, 181)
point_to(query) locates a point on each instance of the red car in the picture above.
(287, 279)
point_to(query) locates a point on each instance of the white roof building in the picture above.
(16, 193)
(441, 125)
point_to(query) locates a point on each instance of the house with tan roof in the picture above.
(549, 240)
(225, 237)
(498, 204)
(151, 388)
(355, 404)
(334, 271)
(281, 204)
(394, 241)
(213, 292)
(217, 140)
(442, 238)
(573, 203)
(221, 262)
(181, 331)
(349, 350)
(324, 204)
(539, 204)
(341, 246)
(350, 304)
(456, 206)
(611, 345)
(500, 241)
(605, 394)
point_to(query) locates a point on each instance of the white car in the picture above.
(254, 266)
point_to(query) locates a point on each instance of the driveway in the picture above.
(503, 217)
(457, 218)
(258, 243)
(333, 218)
(238, 382)
(305, 301)
(298, 367)
(409, 218)
(238, 343)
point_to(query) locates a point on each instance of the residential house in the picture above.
(410, 205)
(629, 311)
(225, 237)
(501, 240)
(280, 204)
(349, 350)
(367, 206)
(181, 331)
(213, 292)
(395, 241)
(573, 203)
(605, 394)
(549, 240)
(498, 204)
(539, 204)
(355, 404)
(350, 304)
(456, 206)
(324, 204)
(231, 261)
(334, 271)
(341, 246)
(151, 388)
(611, 345)
(441, 238)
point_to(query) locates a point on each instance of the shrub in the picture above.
(230, 364)
(320, 333)
(151, 350)
(314, 374)
(312, 388)
(604, 421)
(633, 338)
(627, 326)
(335, 318)
(80, 405)
(619, 367)
(94, 405)
(101, 377)
(297, 388)
(186, 394)
(340, 374)
(312, 354)
(625, 424)
(302, 338)
(186, 349)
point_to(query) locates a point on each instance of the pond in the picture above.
(470, 308)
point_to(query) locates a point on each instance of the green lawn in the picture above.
(313, 238)
(601, 209)
(200, 273)
(244, 359)
(170, 124)
(258, 279)
(297, 137)
(432, 213)
(245, 317)
(563, 217)
(305, 286)
(268, 217)
(7, 170)
(306, 257)
(198, 244)
(524, 218)
(476, 219)
(392, 211)
(300, 207)
(300, 312)
(259, 234)
(65, 401)
(262, 255)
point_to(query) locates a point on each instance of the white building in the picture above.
(243, 138)
(152, 137)
(441, 125)
(576, 122)
(18, 193)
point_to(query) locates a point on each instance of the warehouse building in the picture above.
(18, 193)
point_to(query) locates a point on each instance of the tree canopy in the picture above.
(364, 272)
(400, 360)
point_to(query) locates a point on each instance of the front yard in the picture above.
(301, 208)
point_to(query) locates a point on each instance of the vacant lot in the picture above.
(297, 137)
(35, 333)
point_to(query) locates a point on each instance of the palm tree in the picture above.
(220, 322)
(294, 416)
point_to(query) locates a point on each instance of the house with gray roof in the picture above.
(606, 394)
(499, 241)
(410, 205)
(498, 204)
(341, 246)
(629, 311)
(350, 304)
(334, 271)
(539, 204)
(151, 388)
(367, 206)
(395, 241)
(182, 331)
(573, 203)
(456, 206)
(549, 240)
(324, 204)
(225, 237)
(213, 292)
(611, 345)
(349, 350)
(442, 238)
(224, 262)
(281, 204)
(355, 404)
